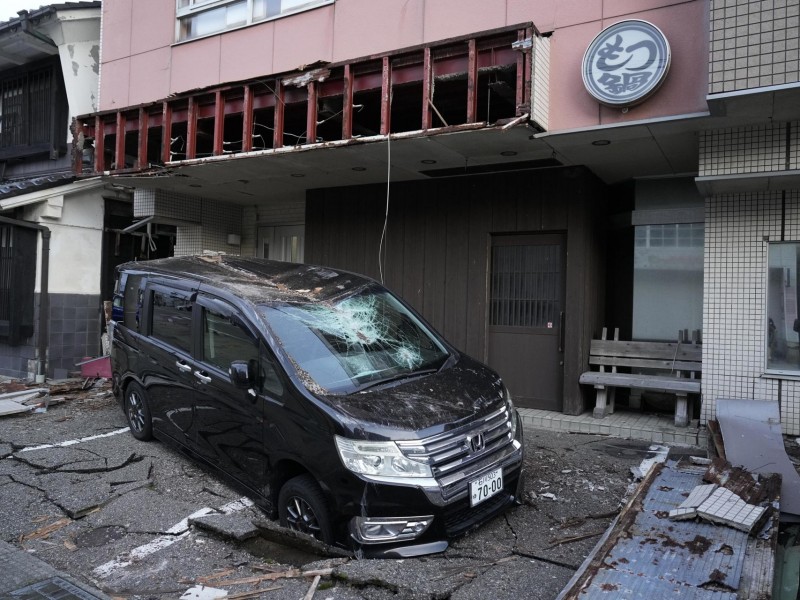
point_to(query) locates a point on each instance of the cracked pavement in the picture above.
(138, 520)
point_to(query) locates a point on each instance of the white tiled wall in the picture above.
(738, 228)
(215, 220)
(754, 43)
(161, 203)
(756, 149)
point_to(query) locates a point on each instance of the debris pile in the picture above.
(731, 496)
(17, 397)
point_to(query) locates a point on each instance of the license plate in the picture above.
(485, 486)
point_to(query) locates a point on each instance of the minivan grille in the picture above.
(457, 456)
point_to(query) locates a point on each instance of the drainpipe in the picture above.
(44, 303)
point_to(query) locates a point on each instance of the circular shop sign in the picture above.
(626, 63)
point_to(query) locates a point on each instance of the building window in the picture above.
(667, 280)
(27, 102)
(198, 18)
(782, 326)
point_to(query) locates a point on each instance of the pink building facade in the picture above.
(467, 132)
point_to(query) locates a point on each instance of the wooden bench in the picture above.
(665, 366)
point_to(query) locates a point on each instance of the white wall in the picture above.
(76, 225)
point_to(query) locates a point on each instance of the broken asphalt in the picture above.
(138, 520)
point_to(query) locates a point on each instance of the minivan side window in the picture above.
(172, 318)
(225, 340)
(132, 311)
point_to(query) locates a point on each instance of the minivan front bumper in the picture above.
(403, 520)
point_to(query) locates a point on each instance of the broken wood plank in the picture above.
(575, 538)
(290, 574)
(253, 593)
(716, 437)
(310, 594)
(44, 532)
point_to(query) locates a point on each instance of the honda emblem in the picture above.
(476, 442)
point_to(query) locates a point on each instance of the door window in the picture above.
(526, 284)
(227, 339)
(224, 341)
(132, 304)
(172, 318)
(283, 242)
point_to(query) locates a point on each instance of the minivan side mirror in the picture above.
(241, 374)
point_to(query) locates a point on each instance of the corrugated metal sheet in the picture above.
(648, 555)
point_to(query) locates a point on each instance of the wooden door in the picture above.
(526, 317)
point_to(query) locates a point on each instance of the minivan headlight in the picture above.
(512, 414)
(378, 458)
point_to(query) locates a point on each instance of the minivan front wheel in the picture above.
(302, 507)
(138, 412)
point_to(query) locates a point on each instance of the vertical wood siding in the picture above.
(436, 249)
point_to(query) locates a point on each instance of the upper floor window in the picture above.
(29, 101)
(198, 18)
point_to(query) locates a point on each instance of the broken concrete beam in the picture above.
(233, 526)
(10, 407)
(273, 532)
(23, 395)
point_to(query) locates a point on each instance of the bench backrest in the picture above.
(672, 356)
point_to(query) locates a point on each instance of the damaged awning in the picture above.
(453, 86)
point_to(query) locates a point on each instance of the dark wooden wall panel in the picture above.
(412, 210)
(457, 267)
(437, 254)
(529, 206)
(434, 260)
(394, 245)
(480, 214)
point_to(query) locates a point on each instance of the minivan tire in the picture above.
(137, 412)
(302, 507)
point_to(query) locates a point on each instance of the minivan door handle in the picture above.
(202, 377)
(182, 366)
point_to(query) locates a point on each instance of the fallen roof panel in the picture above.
(644, 554)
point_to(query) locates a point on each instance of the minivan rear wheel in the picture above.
(302, 507)
(137, 412)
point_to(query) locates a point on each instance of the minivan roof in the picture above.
(256, 279)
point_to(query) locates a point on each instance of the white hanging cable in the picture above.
(381, 252)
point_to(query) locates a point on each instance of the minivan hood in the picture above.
(427, 405)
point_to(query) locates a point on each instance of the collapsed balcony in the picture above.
(463, 83)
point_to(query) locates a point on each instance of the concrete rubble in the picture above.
(138, 520)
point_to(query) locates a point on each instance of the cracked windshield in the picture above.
(356, 343)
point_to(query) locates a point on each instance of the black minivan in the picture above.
(335, 406)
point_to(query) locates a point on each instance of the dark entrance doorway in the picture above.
(526, 317)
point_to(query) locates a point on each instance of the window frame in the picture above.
(41, 111)
(150, 291)
(198, 7)
(271, 387)
(772, 372)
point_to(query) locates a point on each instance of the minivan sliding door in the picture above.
(166, 369)
(229, 430)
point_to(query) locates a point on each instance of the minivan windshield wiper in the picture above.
(394, 378)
